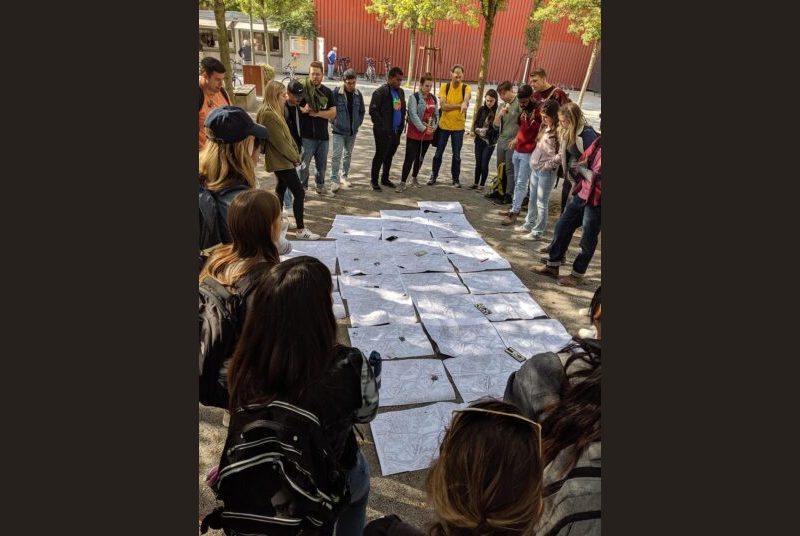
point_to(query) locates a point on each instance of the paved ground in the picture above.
(403, 494)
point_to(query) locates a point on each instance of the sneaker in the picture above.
(306, 235)
(585, 311)
(531, 236)
(590, 333)
(524, 228)
(473, 186)
(289, 224)
(432, 181)
(510, 219)
(456, 184)
(376, 187)
(505, 200)
(570, 281)
(344, 182)
(503, 212)
(400, 187)
(415, 183)
(334, 187)
(545, 249)
(388, 183)
(550, 271)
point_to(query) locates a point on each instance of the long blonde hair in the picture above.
(227, 164)
(271, 103)
(577, 122)
(251, 217)
(488, 477)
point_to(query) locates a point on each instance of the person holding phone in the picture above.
(485, 138)
(422, 123)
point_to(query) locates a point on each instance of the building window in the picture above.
(258, 41)
(275, 43)
(298, 44)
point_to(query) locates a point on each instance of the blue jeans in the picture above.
(341, 143)
(578, 213)
(522, 168)
(458, 141)
(353, 517)
(541, 186)
(330, 70)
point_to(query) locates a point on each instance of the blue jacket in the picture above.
(341, 123)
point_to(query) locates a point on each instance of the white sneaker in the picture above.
(334, 187)
(584, 312)
(522, 228)
(324, 190)
(590, 333)
(345, 182)
(531, 236)
(305, 234)
(289, 223)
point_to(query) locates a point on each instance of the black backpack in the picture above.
(213, 230)
(221, 316)
(277, 474)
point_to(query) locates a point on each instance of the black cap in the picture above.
(231, 124)
(295, 88)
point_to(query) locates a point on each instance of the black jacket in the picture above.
(380, 110)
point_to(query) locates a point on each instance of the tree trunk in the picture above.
(411, 55)
(589, 70)
(252, 36)
(224, 49)
(487, 46)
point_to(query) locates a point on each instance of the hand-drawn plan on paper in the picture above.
(413, 264)
(449, 230)
(408, 440)
(447, 310)
(338, 306)
(389, 281)
(324, 250)
(390, 217)
(416, 245)
(531, 337)
(461, 246)
(439, 282)
(414, 381)
(368, 262)
(357, 222)
(516, 306)
(484, 259)
(441, 206)
(483, 375)
(375, 306)
(466, 341)
(392, 341)
(491, 282)
(339, 232)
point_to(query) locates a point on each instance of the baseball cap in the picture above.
(231, 124)
(295, 88)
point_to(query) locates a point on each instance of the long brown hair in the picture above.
(576, 120)
(223, 165)
(488, 477)
(289, 336)
(574, 421)
(251, 217)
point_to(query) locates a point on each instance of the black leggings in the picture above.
(288, 178)
(483, 153)
(415, 154)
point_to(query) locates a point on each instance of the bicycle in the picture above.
(370, 75)
(342, 64)
(289, 69)
(387, 66)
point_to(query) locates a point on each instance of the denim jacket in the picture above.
(416, 110)
(341, 123)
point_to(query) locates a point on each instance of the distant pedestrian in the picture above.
(331, 62)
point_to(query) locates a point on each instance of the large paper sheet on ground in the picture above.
(392, 341)
(439, 282)
(375, 306)
(531, 337)
(408, 440)
(441, 206)
(492, 282)
(390, 282)
(466, 341)
(414, 381)
(483, 375)
(413, 264)
(324, 250)
(447, 310)
(516, 306)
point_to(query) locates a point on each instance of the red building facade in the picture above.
(357, 34)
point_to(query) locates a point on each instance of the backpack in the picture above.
(277, 474)
(496, 184)
(213, 230)
(221, 316)
(203, 97)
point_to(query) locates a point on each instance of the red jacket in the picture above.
(528, 129)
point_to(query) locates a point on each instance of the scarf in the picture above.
(314, 96)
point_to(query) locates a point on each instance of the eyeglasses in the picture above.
(536, 425)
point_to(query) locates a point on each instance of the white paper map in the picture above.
(392, 341)
(324, 250)
(440, 282)
(368, 262)
(466, 341)
(335, 282)
(441, 206)
(531, 337)
(390, 281)
(373, 307)
(408, 440)
(415, 245)
(447, 310)
(449, 230)
(363, 234)
(462, 246)
(479, 376)
(485, 259)
(338, 306)
(357, 222)
(516, 306)
(414, 381)
(491, 282)
(411, 216)
(413, 264)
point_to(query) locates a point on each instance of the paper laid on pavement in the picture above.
(414, 381)
(392, 341)
(338, 306)
(357, 222)
(359, 234)
(461, 246)
(479, 376)
(375, 306)
(392, 217)
(335, 282)
(368, 262)
(414, 264)
(466, 341)
(516, 306)
(449, 230)
(492, 282)
(389, 281)
(324, 250)
(458, 220)
(531, 337)
(441, 206)
(408, 440)
(447, 310)
(408, 245)
(439, 282)
(486, 260)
